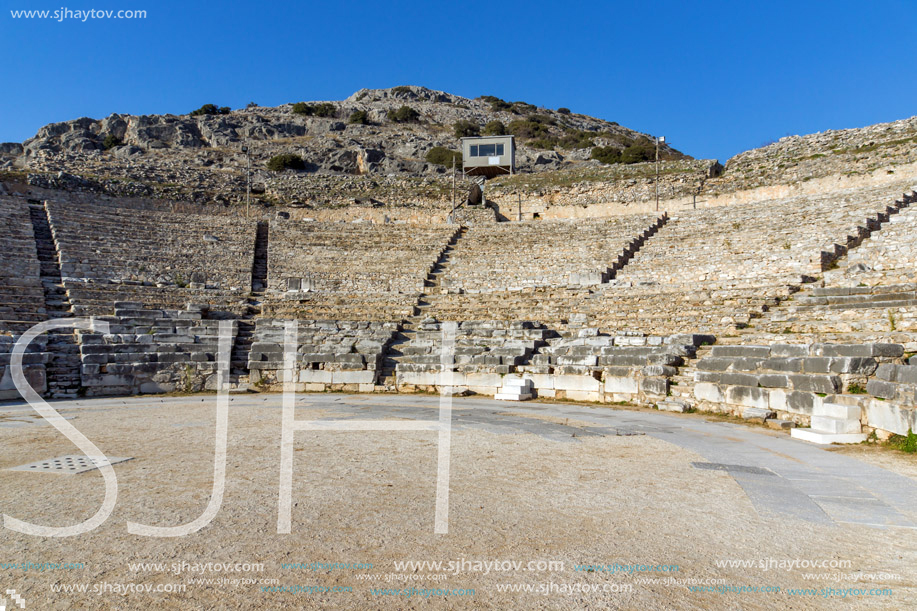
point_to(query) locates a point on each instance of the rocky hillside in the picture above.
(796, 159)
(372, 146)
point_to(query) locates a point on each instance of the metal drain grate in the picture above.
(715, 466)
(68, 465)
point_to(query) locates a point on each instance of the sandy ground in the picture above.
(368, 497)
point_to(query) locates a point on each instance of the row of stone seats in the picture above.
(780, 240)
(580, 364)
(353, 257)
(330, 354)
(98, 298)
(480, 346)
(614, 309)
(789, 379)
(872, 293)
(757, 252)
(34, 366)
(124, 244)
(896, 382)
(888, 257)
(22, 301)
(625, 367)
(150, 351)
(509, 256)
(326, 305)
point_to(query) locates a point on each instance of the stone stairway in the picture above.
(681, 385)
(408, 329)
(63, 371)
(245, 326)
(259, 264)
(833, 423)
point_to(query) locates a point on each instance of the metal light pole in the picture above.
(248, 181)
(658, 140)
(452, 214)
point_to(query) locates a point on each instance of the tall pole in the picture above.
(657, 173)
(452, 214)
(248, 184)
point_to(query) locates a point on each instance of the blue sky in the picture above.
(715, 78)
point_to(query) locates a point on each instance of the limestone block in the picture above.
(622, 385)
(749, 397)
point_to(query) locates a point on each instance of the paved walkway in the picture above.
(781, 476)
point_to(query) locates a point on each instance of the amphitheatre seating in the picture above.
(872, 293)
(354, 257)
(720, 267)
(511, 256)
(22, 301)
(484, 350)
(150, 351)
(350, 271)
(582, 365)
(99, 298)
(331, 354)
(378, 307)
(110, 254)
(480, 345)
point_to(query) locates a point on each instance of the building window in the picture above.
(487, 150)
(500, 150)
(474, 150)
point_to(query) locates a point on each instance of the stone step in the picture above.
(827, 424)
(834, 410)
(823, 438)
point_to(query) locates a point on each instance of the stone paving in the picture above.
(781, 476)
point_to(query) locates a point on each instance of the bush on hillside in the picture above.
(440, 155)
(465, 129)
(286, 161)
(359, 117)
(111, 141)
(211, 109)
(495, 128)
(405, 114)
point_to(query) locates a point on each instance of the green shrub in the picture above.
(496, 104)
(523, 108)
(111, 141)
(527, 129)
(576, 139)
(636, 153)
(856, 389)
(359, 117)
(324, 109)
(542, 143)
(494, 128)
(211, 109)
(464, 128)
(606, 154)
(251, 105)
(301, 108)
(286, 161)
(905, 443)
(563, 110)
(401, 89)
(440, 155)
(405, 114)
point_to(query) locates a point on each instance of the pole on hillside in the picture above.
(452, 214)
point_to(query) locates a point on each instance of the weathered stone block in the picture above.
(621, 385)
(750, 397)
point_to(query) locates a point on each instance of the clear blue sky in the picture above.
(715, 78)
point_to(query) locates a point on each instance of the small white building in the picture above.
(489, 156)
